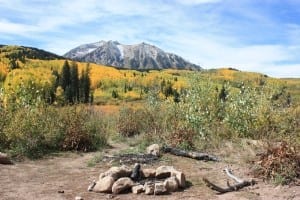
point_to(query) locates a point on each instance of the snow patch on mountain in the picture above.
(121, 49)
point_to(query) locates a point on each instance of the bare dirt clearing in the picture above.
(68, 175)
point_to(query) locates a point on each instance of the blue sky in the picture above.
(251, 35)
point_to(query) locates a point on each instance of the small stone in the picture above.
(137, 189)
(78, 198)
(164, 171)
(153, 149)
(159, 188)
(4, 159)
(61, 191)
(171, 184)
(104, 185)
(110, 196)
(122, 184)
(148, 173)
(149, 188)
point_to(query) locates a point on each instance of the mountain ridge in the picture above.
(136, 56)
(17, 52)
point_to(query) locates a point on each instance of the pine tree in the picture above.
(85, 85)
(74, 82)
(65, 76)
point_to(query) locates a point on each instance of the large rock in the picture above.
(104, 184)
(149, 188)
(137, 189)
(122, 184)
(117, 172)
(148, 173)
(171, 184)
(4, 159)
(153, 149)
(164, 171)
(159, 188)
(180, 178)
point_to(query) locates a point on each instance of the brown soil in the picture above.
(67, 175)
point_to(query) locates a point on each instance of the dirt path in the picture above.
(68, 175)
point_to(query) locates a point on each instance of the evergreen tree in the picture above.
(68, 94)
(168, 90)
(65, 76)
(85, 85)
(74, 80)
(57, 78)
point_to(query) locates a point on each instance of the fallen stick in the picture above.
(230, 188)
(190, 154)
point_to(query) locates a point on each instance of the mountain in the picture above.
(140, 56)
(21, 52)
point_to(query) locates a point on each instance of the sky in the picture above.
(250, 35)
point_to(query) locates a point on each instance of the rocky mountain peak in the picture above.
(138, 56)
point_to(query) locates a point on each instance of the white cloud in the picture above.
(203, 37)
(8, 27)
(197, 2)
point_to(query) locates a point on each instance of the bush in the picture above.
(84, 130)
(280, 164)
(129, 122)
(206, 115)
(35, 132)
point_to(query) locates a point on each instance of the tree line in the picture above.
(75, 87)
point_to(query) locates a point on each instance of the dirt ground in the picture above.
(68, 175)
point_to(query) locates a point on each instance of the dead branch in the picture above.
(229, 173)
(230, 188)
(190, 154)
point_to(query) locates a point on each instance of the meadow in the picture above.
(192, 110)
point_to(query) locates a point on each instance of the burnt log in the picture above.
(190, 154)
(131, 158)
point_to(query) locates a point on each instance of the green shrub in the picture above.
(129, 122)
(35, 132)
(207, 114)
